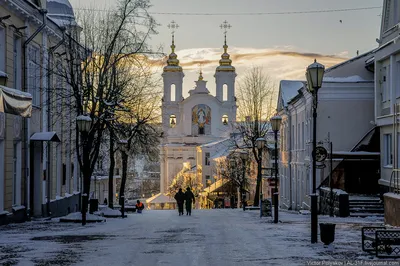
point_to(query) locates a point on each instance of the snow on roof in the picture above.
(355, 78)
(289, 89)
(355, 153)
(350, 60)
(160, 198)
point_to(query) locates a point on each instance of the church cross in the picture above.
(173, 26)
(225, 26)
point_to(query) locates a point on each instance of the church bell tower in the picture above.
(173, 82)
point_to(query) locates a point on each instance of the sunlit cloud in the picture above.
(283, 62)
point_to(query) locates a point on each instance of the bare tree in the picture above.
(256, 96)
(234, 170)
(93, 70)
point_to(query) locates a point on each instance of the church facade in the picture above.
(195, 127)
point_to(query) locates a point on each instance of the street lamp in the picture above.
(123, 144)
(314, 75)
(276, 125)
(84, 123)
(260, 143)
(244, 156)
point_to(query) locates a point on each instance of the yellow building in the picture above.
(30, 34)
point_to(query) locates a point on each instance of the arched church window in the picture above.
(225, 120)
(172, 121)
(225, 92)
(173, 92)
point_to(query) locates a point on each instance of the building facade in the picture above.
(387, 93)
(36, 154)
(345, 111)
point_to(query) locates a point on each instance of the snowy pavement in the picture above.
(209, 237)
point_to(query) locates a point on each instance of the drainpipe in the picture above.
(27, 120)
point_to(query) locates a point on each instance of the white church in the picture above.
(196, 129)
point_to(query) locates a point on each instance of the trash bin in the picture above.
(93, 205)
(327, 232)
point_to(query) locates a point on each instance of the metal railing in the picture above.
(394, 185)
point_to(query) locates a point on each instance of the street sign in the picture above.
(320, 154)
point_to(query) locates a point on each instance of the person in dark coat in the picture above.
(189, 197)
(180, 198)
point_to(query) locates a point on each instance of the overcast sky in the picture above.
(267, 39)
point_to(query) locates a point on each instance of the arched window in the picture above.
(173, 92)
(225, 120)
(172, 121)
(225, 92)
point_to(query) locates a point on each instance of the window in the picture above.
(298, 137)
(303, 136)
(17, 62)
(34, 75)
(172, 121)
(15, 159)
(388, 153)
(225, 120)
(207, 158)
(2, 50)
(397, 82)
(16, 182)
(173, 93)
(224, 92)
(385, 78)
(208, 180)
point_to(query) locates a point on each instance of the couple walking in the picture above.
(188, 196)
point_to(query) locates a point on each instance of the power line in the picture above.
(249, 14)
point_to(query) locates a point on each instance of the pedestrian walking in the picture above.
(189, 197)
(180, 198)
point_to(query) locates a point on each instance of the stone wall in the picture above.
(62, 207)
(392, 209)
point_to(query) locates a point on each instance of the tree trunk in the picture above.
(111, 172)
(123, 180)
(257, 195)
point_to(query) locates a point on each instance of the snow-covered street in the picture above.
(208, 237)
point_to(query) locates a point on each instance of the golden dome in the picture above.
(173, 62)
(225, 63)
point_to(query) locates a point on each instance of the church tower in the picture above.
(225, 74)
(173, 82)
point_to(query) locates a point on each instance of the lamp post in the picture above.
(276, 125)
(84, 123)
(244, 156)
(260, 142)
(124, 156)
(314, 75)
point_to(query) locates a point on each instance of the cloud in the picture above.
(279, 63)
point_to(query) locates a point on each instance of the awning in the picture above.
(45, 136)
(15, 102)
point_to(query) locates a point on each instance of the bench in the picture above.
(385, 243)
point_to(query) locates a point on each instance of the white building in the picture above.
(387, 92)
(189, 124)
(345, 112)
